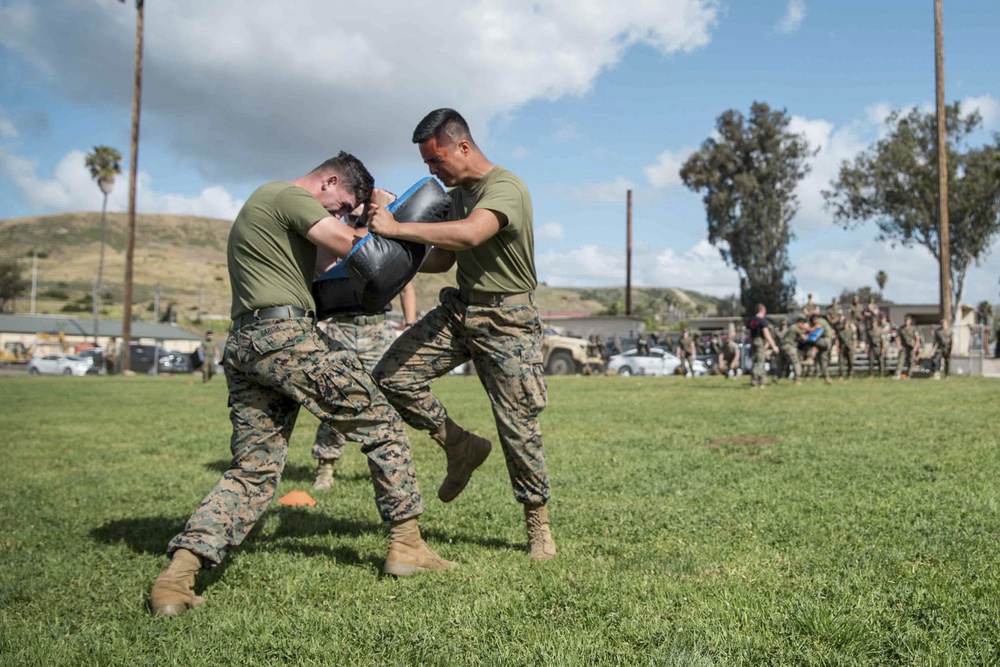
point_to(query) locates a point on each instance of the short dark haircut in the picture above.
(354, 174)
(442, 124)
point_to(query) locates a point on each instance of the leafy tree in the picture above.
(11, 285)
(728, 306)
(748, 174)
(984, 313)
(104, 164)
(881, 278)
(894, 183)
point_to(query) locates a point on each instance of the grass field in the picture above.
(698, 523)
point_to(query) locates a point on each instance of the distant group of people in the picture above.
(807, 344)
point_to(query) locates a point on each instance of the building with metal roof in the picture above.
(77, 334)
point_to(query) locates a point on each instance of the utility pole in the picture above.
(944, 234)
(34, 279)
(628, 254)
(156, 306)
(133, 169)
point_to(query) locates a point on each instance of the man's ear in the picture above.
(331, 182)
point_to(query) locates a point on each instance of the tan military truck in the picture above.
(567, 355)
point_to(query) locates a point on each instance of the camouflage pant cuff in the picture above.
(389, 515)
(208, 561)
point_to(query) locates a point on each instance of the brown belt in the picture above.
(480, 298)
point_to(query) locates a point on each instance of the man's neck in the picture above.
(477, 170)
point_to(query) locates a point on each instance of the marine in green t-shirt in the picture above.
(491, 319)
(276, 361)
(271, 259)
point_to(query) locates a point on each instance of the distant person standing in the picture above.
(760, 340)
(111, 356)
(686, 352)
(941, 349)
(908, 348)
(876, 345)
(847, 335)
(209, 357)
(857, 312)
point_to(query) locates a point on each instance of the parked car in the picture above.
(657, 362)
(142, 358)
(95, 356)
(58, 364)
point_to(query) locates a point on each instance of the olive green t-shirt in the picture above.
(271, 262)
(506, 262)
(943, 338)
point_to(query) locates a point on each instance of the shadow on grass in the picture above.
(293, 472)
(150, 535)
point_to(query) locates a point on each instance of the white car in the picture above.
(657, 362)
(58, 364)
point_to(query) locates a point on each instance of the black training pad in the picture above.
(377, 268)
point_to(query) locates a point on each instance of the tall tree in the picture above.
(894, 184)
(11, 285)
(104, 164)
(881, 278)
(748, 174)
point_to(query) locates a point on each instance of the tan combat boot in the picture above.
(408, 553)
(324, 474)
(173, 590)
(465, 451)
(541, 546)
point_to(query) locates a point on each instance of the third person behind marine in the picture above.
(491, 318)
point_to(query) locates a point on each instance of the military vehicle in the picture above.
(568, 355)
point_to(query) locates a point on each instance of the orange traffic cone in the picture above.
(297, 499)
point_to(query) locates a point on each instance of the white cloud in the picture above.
(550, 232)
(614, 192)
(835, 146)
(520, 153)
(987, 106)
(565, 132)
(242, 87)
(665, 172)
(7, 128)
(792, 20)
(698, 268)
(70, 188)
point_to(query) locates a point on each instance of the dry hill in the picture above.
(182, 257)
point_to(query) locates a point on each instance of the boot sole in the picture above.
(475, 463)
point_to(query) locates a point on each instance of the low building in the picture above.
(50, 333)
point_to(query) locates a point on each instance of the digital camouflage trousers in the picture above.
(369, 342)
(272, 368)
(505, 345)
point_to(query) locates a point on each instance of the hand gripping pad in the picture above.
(377, 268)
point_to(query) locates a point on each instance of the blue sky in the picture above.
(584, 99)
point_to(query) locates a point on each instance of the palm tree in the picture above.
(104, 164)
(881, 278)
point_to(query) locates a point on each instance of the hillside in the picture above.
(184, 259)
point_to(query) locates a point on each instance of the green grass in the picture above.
(698, 523)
